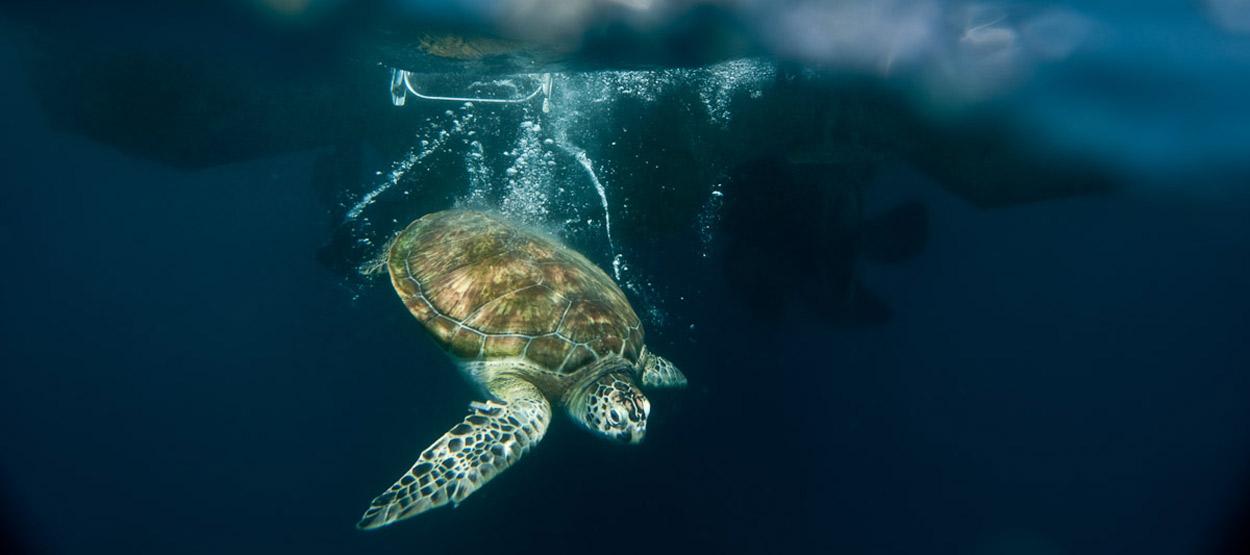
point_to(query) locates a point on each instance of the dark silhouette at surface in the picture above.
(796, 235)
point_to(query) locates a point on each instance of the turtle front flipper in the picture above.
(492, 437)
(657, 371)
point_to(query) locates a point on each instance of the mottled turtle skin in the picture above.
(488, 289)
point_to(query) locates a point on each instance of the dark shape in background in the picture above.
(864, 125)
(196, 87)
(796, 234)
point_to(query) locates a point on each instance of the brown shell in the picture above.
(487, 288)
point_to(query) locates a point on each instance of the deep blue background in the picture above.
(180, 375)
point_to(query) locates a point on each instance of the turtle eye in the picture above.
(614, 417)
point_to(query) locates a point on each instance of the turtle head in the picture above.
(611, 405)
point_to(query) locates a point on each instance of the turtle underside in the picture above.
(486, 289)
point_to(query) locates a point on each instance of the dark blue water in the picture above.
(187, 367)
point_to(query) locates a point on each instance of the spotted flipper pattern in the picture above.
(492, 437)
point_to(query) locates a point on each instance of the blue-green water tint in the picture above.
(190, 364)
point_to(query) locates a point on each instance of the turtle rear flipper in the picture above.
(492, 437)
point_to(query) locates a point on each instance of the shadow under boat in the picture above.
(795, 235)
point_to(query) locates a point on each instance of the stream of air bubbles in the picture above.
(562, 120)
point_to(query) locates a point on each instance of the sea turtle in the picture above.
(533, 323)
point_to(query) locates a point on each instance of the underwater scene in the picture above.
(625, 276)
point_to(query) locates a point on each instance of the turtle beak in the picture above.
(637, 429)
(632, 437)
